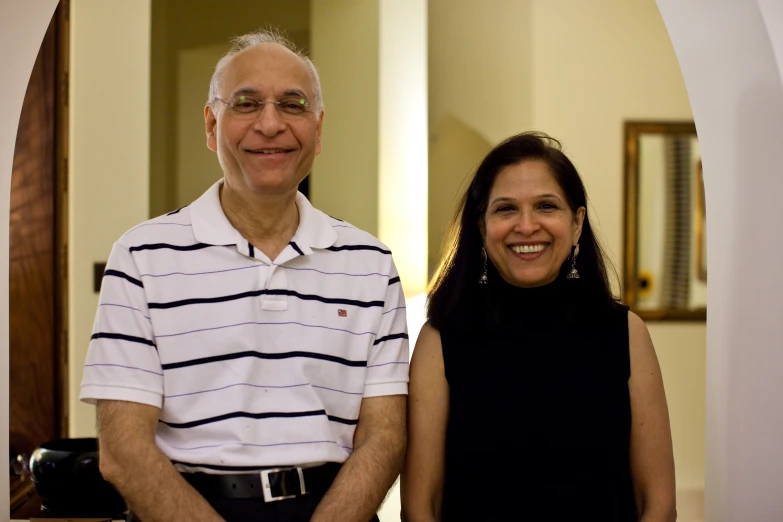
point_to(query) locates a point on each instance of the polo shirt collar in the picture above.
(315, 230)
(211, 226)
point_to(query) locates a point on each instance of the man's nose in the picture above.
(268, 121)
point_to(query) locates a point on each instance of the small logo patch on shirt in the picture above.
(342, 313)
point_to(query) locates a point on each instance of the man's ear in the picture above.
(210, 123)
(318, 133)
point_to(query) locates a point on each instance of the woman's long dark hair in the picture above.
(456, 298)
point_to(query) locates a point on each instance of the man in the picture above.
(249, 332)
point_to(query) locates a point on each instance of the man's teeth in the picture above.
(269, 151)
(528, 249)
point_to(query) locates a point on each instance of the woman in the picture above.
(534, 395)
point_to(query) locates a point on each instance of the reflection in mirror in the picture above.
(665, 272)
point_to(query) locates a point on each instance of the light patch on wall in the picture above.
(402, 181)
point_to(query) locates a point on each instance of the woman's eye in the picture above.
(548, 206)
(505, 208)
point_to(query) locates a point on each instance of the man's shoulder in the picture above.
(174, 226)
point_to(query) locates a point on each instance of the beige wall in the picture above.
(162, 182)
(479, 64)
(682, 357)
(109, 158)
(575, 70)
(196, 167)
(344, 183)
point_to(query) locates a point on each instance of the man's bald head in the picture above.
(260, 37)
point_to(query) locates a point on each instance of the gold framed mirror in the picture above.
(665, 258)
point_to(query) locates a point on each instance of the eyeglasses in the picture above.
(249, 105)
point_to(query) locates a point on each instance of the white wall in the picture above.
(109, 158)
(738, 104)
(22, 27)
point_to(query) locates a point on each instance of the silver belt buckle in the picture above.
(267, 487)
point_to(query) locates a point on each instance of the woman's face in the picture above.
(528, 228)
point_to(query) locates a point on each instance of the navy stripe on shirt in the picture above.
(389, 338)
(260, 355)
(257, 416)
(167, 246)
(256, 293)
(358, 247)
(123, 275)
(122, 337)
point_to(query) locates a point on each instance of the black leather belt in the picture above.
(271, 484)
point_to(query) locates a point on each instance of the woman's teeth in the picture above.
(528, 249)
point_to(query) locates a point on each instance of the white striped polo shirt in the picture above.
(253, 362)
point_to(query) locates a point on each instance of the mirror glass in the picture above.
(665, 252)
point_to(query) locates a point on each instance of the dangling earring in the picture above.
(574, 273)
(483, 278)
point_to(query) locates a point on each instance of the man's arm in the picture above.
(146, 479)
(367, 475)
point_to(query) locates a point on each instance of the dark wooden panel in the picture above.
(34, 376)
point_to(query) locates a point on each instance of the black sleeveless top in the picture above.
(540, 416)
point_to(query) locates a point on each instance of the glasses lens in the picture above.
(244, 104)
(293, 105)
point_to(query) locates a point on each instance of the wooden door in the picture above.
(37, 265)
